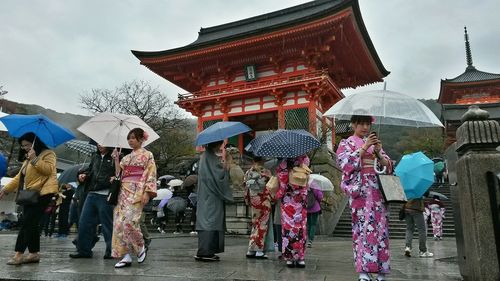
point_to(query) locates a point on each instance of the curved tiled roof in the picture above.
(471, 74)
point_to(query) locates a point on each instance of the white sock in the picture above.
(381, 276)
(364, 275)
(127, 258)
(259, 254)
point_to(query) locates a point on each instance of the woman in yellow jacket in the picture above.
(39, 172)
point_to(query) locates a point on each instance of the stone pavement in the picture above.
(171, 258)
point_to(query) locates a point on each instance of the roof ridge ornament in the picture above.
(468, 51)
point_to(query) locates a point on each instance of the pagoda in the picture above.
(473, 87)
(282, 69)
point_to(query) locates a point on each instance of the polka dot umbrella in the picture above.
(284, 144)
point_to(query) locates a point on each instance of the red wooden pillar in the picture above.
(281, 111)
(312, 117)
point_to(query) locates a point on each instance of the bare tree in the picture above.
(136, 98)
(147, 102)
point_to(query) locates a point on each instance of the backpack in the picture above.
(311, 199)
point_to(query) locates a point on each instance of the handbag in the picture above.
(114, 190)
(26, 196)
(391, 188)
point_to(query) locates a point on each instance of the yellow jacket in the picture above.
(41, 174)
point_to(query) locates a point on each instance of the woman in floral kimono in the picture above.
(370, 233)
(257, 195)
(138, 186)
(293, 213)
(437, 210)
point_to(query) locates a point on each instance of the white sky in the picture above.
(52, 51)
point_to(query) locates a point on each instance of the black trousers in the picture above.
(63, 219)
(29, 236)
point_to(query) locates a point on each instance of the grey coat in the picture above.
(213, 191)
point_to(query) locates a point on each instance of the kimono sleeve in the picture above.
(349, 161)
(150, 176)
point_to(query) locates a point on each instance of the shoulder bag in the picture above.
(26, 196)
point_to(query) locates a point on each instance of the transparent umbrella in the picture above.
(388, 108)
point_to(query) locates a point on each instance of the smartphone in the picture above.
(373, 133)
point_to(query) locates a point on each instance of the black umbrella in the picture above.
(71, 174)
(176, 204)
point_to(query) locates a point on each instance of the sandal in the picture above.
(290, 264)
(15, 261)
(31, 259)
(142, 255)
(122, 264)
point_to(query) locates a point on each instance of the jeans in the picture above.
(412, 218)
(95, 209)
(312, 220)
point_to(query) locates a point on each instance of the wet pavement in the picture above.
(171, 258)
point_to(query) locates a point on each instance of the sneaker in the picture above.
(193, 233)
(408, 251)
(177, 232)
(426, 254)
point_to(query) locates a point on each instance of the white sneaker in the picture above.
(177, 232)
(193, 233)
(426, 254)
(160, 230)
(408, 251)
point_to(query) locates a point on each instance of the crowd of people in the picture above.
(284, 203)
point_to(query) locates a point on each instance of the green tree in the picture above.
(428, 140)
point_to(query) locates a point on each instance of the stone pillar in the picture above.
(477, 139)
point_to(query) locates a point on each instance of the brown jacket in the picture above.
(41, 174)
(415, 205)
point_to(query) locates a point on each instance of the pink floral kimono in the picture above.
(437, 210)
(138, 176)
(293, 212)
(370, 221)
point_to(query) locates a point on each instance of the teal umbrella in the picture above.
(416, 172)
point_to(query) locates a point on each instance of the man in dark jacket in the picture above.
(96, 208)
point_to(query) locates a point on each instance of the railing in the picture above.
(262, 83)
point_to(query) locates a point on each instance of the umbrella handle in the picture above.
(375, 166)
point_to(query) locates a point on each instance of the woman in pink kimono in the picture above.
(138, 186)
(370, 233)
(293, 213)
(437, 210)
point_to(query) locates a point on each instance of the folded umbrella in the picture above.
(49, 132)
(221, 131)
(416, 172)
(111, 129)
(284, 144)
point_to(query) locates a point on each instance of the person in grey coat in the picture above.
(213, 192)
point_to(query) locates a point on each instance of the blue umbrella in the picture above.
(416, 172)
(3, 166)
(49, 132)
(284, 144)
(221, 131)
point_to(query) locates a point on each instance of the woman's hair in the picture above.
(211, 146)
(138, 134)
(358, 119)
(38, 145)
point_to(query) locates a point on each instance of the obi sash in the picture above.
(132, 173)
(367, 163)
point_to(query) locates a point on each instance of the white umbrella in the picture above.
(388, 108)
(2, 126)
(321, 182)
(175, 182)
(111, 129)
(163, 193)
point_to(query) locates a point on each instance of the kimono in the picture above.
(437, 210)
(293, 212)
(138, 177)
(213, 192)
(260, 202)
(370, 220)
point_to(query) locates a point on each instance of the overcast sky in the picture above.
(52, 51)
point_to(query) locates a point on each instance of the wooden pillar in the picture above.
(312, 118)
(278, 95)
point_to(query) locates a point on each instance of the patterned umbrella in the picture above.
(284, 144)
(81, 146)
